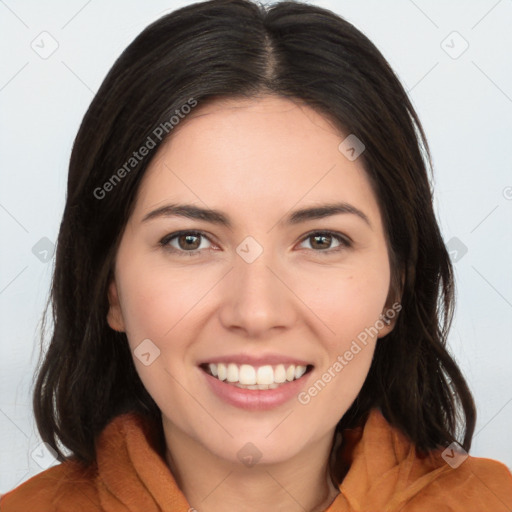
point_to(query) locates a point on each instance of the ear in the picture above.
(114, 315)
(389, 315)
(388, 319)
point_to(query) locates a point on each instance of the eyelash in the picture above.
(345, 243)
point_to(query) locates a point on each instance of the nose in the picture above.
(257, 298)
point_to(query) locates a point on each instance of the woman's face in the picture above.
(257, 285)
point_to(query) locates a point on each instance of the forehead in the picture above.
(257, 156)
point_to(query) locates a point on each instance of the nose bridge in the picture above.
(257, 278)
(256, 298)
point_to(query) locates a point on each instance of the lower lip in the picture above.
(256, 399)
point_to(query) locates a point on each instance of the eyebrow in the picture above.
(217, 217)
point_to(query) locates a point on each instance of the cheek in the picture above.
(349, 311)
(156, 306)
(347, 300)
(156, 301)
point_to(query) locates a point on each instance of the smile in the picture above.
(246, 376)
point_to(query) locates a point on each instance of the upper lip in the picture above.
(253, 360)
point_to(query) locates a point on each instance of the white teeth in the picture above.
(299, 371)
(222, 373)
(263, 377)
(232, 373)
(247, 374)
(279, 373)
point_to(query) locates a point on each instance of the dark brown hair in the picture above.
(230, 48)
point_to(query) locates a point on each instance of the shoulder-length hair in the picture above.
(237, 48)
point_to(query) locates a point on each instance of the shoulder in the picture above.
(67, 486)
(477, 484)
(444, 480)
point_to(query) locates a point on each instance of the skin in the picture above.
(256, 160)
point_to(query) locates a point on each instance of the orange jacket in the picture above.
(384, 475)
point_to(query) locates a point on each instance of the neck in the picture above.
(214, 484)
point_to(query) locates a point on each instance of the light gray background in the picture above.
(465, 104)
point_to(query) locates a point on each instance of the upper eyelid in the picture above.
(176, 234)
(341, 237)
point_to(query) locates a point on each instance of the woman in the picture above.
(295, 358)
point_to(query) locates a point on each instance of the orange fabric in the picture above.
(384, 475)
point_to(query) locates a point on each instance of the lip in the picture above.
(260, 360)
(256, 399)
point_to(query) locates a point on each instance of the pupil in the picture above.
(189, 238)
(322, 237)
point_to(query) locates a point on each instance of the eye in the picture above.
(184, 242)
(322, 240)
(190, 242)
